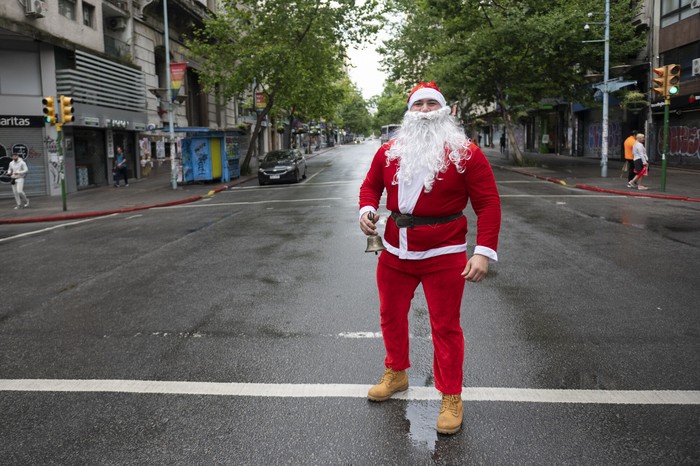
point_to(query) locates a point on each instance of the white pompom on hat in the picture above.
(426, 91)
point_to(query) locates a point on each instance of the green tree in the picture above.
(354, 115)
(510, 52)
(390, 105)
(291, 51)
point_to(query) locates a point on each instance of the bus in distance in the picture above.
(388, 132)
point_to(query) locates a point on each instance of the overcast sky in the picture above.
(365, 71)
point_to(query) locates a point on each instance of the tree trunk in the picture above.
(289, 132)
(245, 166)
(517, 154)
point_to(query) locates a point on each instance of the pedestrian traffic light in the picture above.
(659, 84)
(673, 74)
(49, 110)
(67, 109)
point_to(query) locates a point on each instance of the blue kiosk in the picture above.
(209, 155)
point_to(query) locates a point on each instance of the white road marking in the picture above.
(272, 201)
(609, 196)
(521, 395)
(521, 181)
(60, 225)
(360, 334)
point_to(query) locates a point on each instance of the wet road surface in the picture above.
(270, 285)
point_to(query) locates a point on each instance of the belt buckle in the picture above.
(404, 221)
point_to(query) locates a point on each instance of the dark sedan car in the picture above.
(282, 166)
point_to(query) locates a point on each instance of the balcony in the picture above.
(116, 48)
(111, 8)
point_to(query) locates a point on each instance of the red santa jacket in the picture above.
(450, 194)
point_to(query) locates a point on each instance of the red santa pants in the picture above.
(443, 285)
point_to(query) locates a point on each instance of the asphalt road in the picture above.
(269, 286)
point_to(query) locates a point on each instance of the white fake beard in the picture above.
(421, 143)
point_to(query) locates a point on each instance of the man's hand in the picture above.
(476, 268)
(368, 226)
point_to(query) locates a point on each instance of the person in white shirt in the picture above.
(641, 163)
(17, 171)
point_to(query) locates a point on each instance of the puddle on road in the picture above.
(421, 417)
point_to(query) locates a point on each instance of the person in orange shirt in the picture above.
(629, 156)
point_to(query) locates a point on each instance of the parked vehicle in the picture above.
(281, 166)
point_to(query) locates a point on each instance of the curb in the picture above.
(587, 187)
(102, 213)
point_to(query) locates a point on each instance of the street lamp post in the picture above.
(169, 96)
(605, 87)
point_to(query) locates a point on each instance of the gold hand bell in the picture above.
(374, 242)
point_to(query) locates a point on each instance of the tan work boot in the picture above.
(392, 382)
(450, 418)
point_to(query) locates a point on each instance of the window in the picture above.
(88, 15)
(67, 8)
(684, 56)
(673, 11)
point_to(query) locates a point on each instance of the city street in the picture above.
(243, 329)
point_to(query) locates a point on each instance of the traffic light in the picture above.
(49, 110)
(673, 79)
(659, 84)
(67, 109)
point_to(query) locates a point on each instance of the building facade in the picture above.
(109, 56)
(568, 128)
(676, 40)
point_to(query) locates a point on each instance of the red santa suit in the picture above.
(434, 254)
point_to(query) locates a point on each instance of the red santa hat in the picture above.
(426, 91)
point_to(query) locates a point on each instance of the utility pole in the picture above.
(604, 87)
(169, 96)
(606, 95)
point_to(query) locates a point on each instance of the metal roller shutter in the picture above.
(35, 183)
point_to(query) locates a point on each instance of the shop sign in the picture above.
(91, 121)
(17, 121)
(117, 124)
(110, 144)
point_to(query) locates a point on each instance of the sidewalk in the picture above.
(585, 173)
(156, 190)
(143, 193)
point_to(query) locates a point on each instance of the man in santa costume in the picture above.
(429, 171)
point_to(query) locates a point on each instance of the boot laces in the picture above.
(389, 375)
(450, 403)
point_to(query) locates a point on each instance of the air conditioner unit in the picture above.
(117, 23)
(696, 67)
(694, 3)
(34, 8)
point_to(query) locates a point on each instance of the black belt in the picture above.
(410, 221)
